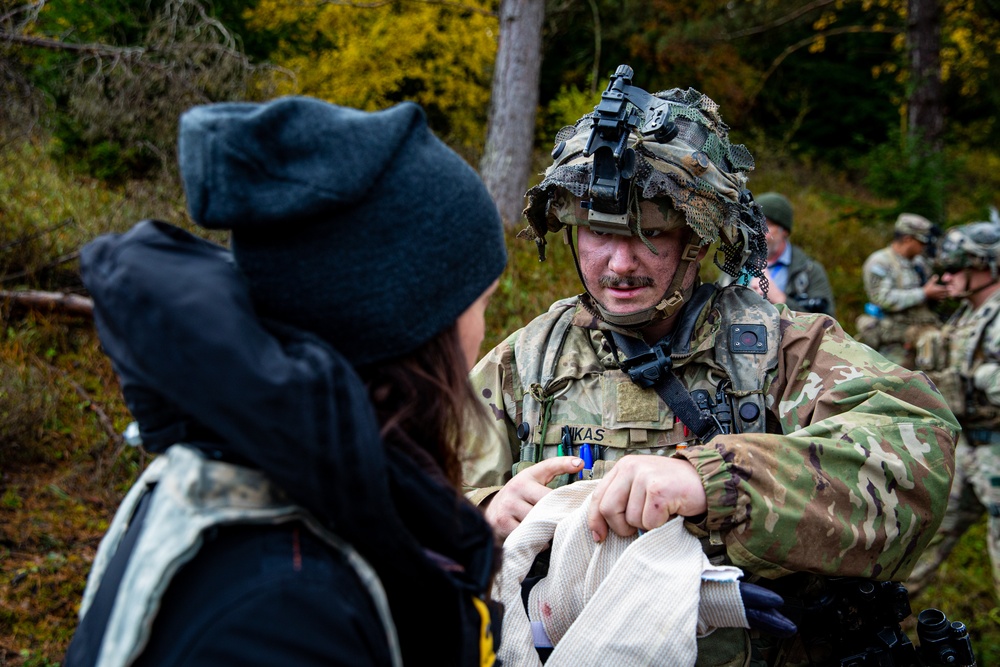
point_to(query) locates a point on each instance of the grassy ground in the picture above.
(63, 468)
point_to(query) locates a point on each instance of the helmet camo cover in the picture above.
(975, 245)
(700, 172)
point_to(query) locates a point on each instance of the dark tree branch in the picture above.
(782, 20)
(27, 272)
(845, 30)
(55, 45)
(38, 234)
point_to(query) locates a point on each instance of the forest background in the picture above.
(855, 109)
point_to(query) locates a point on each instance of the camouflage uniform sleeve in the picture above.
(883, 288)
(491, 435)
(859, 483)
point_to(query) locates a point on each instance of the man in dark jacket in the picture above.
(795, 279)
(278, 526)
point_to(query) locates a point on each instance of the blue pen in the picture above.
(588, 457)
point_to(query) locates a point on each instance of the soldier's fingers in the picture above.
(598, 526)
(506, 513)
(614, 505)
(545, 471)
(635, 510)
(533, 492)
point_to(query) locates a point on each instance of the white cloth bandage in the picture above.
(624, 601)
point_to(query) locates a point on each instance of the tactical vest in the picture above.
(193, 494)
(572, 381)
(950, 357)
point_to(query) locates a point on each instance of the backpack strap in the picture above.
(537, 353)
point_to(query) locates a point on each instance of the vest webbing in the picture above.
(747, 372)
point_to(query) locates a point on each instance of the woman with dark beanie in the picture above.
(305, 390)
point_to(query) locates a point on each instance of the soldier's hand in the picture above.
(935, 290)
(644, 492)
(512, 503)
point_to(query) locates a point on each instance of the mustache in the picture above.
(625, 281)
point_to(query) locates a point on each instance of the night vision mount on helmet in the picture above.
(671, 147)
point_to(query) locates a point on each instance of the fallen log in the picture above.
(72, 304)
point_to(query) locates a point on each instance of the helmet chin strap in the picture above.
(968, 280)
(673, 298)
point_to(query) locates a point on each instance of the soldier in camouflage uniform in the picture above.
(899, 288)
(834, 461)
(963, 359)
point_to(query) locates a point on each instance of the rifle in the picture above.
(856, 623)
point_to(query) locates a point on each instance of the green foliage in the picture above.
(905, 170)
(528, 287)
(26, 410)
(566, 108)
(963, 591)
(47, 214)
(118, 98)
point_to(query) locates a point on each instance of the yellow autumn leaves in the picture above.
(371, 55)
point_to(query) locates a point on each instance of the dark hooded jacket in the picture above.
(197, 366)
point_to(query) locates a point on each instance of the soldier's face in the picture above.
(621, 272)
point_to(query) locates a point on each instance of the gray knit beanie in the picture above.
(363, 228)
(777, 208)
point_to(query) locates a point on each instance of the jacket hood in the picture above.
(197, 365)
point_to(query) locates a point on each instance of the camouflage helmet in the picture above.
(972, 246)
(697, 178)
(917, 226)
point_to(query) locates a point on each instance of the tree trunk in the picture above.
(926, 106)
(506, 162)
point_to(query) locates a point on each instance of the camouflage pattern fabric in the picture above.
(860, 476)
(964, 359)
(856, 486)
(894, 284)
(976, 489)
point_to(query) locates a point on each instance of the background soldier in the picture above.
(794, 278)
(963, 359)
(779, 456)
(896, 281)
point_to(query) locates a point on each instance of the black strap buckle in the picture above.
(647, 369)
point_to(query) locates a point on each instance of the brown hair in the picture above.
(424, 402)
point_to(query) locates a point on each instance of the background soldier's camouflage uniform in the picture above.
(963, 359)
(894, 284)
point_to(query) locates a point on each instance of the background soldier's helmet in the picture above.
(917, 226)
(972, 246)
